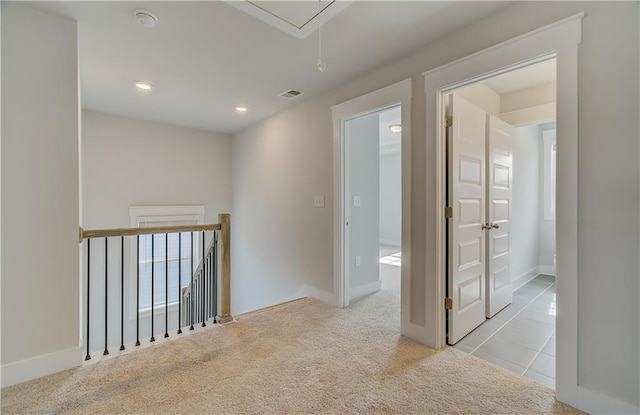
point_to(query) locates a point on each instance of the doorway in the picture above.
(373, 202)
(381, 104)
(373, 196)
(501, 226)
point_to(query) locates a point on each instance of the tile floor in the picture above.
(522, 336)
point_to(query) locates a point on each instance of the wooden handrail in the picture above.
(102, 233)
(225, 239)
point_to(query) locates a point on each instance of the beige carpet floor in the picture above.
(302, 357)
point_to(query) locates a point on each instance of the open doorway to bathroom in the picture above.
(501, 234)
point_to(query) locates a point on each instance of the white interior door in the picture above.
(362, 205)
(500, 180)
(467, 198)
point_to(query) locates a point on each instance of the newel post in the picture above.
(225, 224)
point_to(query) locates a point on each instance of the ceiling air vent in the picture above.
(291, 94)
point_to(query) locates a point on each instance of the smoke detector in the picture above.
(145, 18)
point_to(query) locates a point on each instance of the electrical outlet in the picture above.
(318, 201)
(357, 261)
(357, 201)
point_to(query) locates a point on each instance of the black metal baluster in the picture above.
(191, 287)
(204, 288)
(215, 275)
(137, 290)
(88, 356)
(106, 296)
(122, 293)
(205, 273)
(166, 285)
(210, 285)
(153, 268)
(179, 283)
(213, 299)
(196, 299)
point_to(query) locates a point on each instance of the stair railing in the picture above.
(197, 302)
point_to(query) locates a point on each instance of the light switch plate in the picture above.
(357, 261)
(357, 201)
(318, 201)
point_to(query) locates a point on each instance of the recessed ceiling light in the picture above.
(241, 108)
(143, 85)
(395, 128)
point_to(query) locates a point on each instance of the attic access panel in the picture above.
(296, 18)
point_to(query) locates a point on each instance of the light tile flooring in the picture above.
(521, 337)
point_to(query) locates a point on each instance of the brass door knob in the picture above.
(488, 226)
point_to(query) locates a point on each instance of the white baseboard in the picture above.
(548, 270)
(597, 403)
(366, 289)
(39, 366)
(528, 276)
(391, 242)
(525, 277)
(308, 291)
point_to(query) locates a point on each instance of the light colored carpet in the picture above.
(300, 357)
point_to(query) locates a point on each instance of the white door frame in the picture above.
(559, 40)
(397, 94)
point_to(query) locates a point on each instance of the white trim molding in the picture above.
(524, 278)
(390, 242)
(39, 366)
(313, 292)
(559, 40)
(398, 93)
(365, 289)
(548, 270)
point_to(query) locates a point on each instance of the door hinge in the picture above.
(448, 212)
(448, 303)
(448, 120)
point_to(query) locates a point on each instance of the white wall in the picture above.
(363, 152)
(132, 162)
(40, 202)
(547, 230)
(281, 246)
(391, 198)
(525, 209)
(276, 219)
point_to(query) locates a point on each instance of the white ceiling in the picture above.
(297, 18)
(206, 57)
(529, 76)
